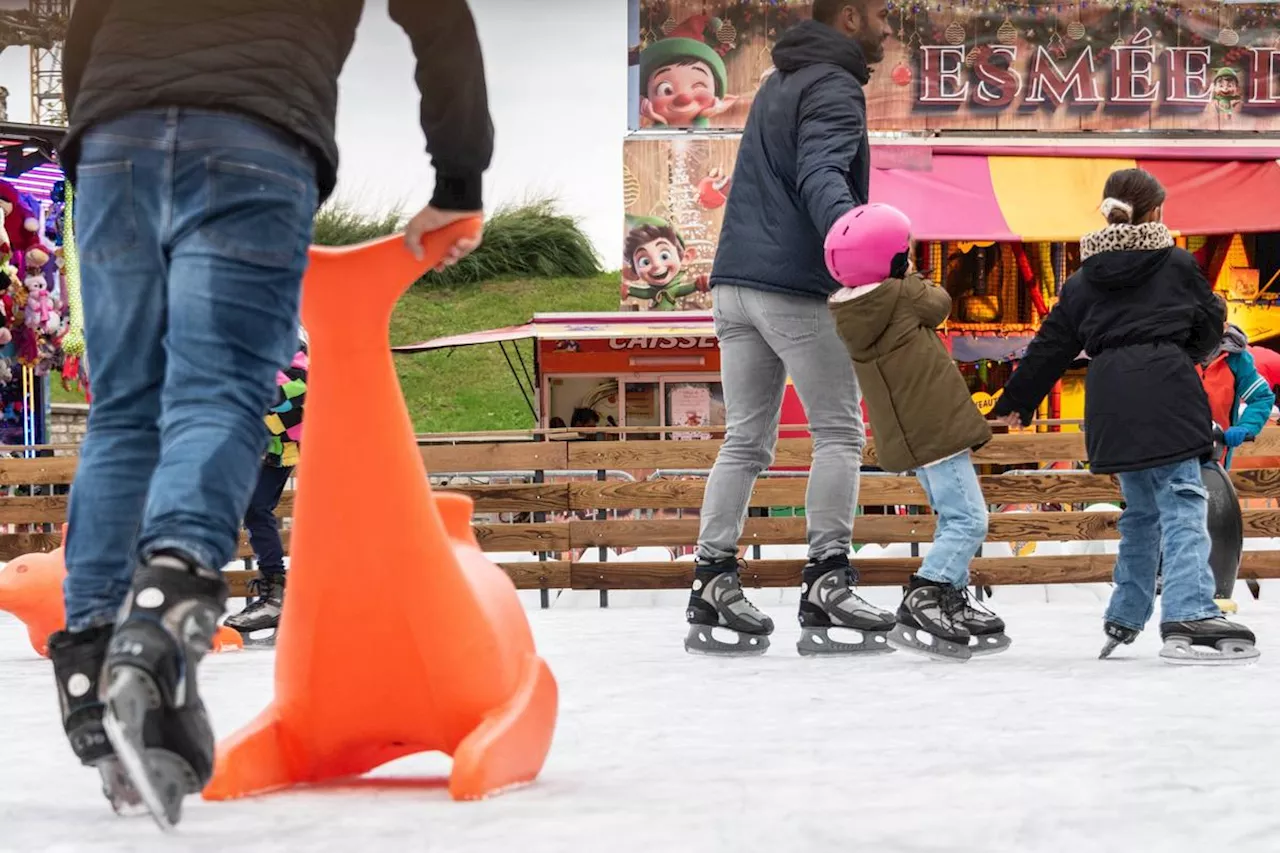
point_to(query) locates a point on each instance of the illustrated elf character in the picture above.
(1226, 90)
(683, 79)
(654, 265)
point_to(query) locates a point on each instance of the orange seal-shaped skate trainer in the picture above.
(446, 660)
(31, 589)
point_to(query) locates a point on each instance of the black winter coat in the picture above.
(278, 61)
(1145, 317)
(803, 162)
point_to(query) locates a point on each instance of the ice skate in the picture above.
(929, 622)
(827, 601)
(77, 668)
(717, 602)
(154, 717)
(257, 624)
(1116, 636)
(986, 629)
(1213, 641)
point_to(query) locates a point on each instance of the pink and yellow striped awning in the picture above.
(978, 197)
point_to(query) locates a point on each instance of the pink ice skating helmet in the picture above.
(861, 246)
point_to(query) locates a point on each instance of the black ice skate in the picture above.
(716, 601)
(929, 622)
(1208, 641)
(827, 601)
(1116, 635)
(262, 613)
(986, 629)
(77, 668)
(154, 716)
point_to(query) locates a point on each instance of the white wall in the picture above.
(557, 84)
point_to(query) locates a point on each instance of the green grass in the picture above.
(533, 259)
(471, 388)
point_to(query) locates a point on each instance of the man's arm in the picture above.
(455, 101)
(86, 19)
(833, 118)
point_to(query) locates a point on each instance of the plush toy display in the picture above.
(42, 308)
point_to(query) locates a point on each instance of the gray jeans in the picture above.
(764, 338)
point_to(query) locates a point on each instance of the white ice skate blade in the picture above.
(819, 642)
(908, 640)
(1179, 651)
(119, 790)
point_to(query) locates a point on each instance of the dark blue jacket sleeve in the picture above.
(831, 132)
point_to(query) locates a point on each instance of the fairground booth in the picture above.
(994, 128)
(34, 308)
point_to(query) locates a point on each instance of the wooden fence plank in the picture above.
(881, 529)
(992, 571)
(495, 456)
(533, 575)
(527, 497)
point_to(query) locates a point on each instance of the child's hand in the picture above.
(1013, 419)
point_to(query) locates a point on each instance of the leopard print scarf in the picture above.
(1147, 237)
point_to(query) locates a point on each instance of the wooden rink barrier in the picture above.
(464, 463)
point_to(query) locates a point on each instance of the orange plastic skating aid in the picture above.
(31, 589)
(445, 660)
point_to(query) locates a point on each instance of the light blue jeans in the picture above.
(1166, 511)
(956, 496)
(764, 338)
(192, 228)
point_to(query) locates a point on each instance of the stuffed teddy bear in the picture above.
(20, 223)
(41, 311)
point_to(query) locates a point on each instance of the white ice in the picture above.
(1039, 750)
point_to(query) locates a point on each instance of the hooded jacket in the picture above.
(277, 61)
(1231, 379)
(803, 162)
(1144, 313)
(917, 401)
(284, 418)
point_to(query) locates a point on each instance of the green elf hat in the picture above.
(670, 50)
(634, 222)
(1226, 71)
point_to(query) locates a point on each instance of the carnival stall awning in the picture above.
(981, 197)
(965, 346)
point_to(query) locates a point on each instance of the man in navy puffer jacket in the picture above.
(803, 163)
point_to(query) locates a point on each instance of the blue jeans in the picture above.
(956, 496)
(1166, 511)
(192, 228)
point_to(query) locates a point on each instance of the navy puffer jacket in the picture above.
(803, 162)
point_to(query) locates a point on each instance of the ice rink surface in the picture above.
(1040, 750)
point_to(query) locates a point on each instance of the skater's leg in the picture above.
(246, 197)
(1183, 504)
(119, 202)
(956, 496)
(803, 333)
(754, 380)
(1134, 576)
(243, 198)
(261, 522)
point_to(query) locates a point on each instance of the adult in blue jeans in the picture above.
(200, 142)
(1142, 310)
(804, 161)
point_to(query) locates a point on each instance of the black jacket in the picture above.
(277, 60)
(803, 163)
(1145, 319)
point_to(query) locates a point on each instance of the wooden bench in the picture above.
(1057, 496)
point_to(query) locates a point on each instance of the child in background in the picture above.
(1145, 315)
(284, 424)
(922, 420)
(1231, 380)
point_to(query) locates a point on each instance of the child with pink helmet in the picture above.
(922, 420)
